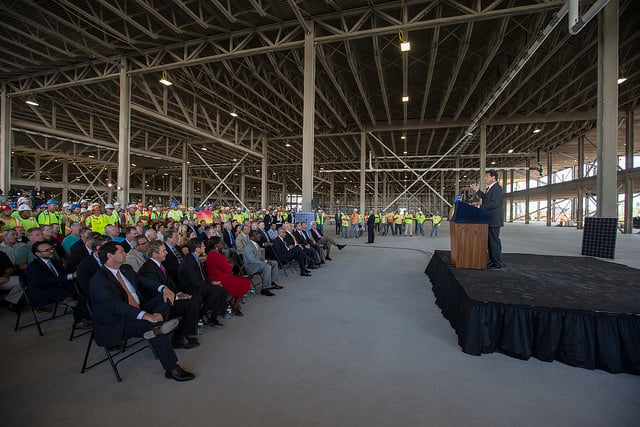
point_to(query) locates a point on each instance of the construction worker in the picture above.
(320, 217)
(50, 215)
(420, 219)
(111, 216)
(96, 221)
(131, 215)
(408, 223)
(377, 221)
(24, 219)
(390, 224)
(397, 219)
(355, 223)
(346, 224)
(436, 219)
(175, 213)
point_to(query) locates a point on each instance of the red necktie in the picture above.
(164, 271)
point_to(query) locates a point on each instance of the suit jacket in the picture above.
(280, 248)
(151, 270)
(241, 242)
(264, 237)
(315, 235)
(228, 240)
(492, 202)
(371, 221)
(86, 269)
(43, 286)
(253, 262)
(268, 219)
(289, 240)
(191, 275)
(110, 303)
(135, 259)
(77, 253)
(172, 265)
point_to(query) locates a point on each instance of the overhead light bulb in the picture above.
(405, 98)
(403, 137)
(537, 130)
(622, 80)
(234, 114)
(32, 101)
(287, 145)
(165, 79)
(510, 151)
(405, 46)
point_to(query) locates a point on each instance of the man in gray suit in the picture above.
(255, 263)
(138, 253)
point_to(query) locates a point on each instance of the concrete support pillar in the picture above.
(124, 134)
(457, 184)
(243, 186)
(264, 184)
(65, 180)
(526, 192)
(185, 175)
(5, 140)
(284, 192)
(550, 214)
(308, 117)
(144, 188)
(332, 197)
(442, 193)
(375, 188)
(628, 182)
(363, 166)
(385, 189)
(36, 178)
(511, 198)
(579, 219)
(483, 156)
(607, 124)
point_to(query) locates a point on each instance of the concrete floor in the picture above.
(361, 343)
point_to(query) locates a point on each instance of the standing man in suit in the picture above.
(371, 223)
(185, 306)
(254, 263)
(121, 311)
(195, 282)
(492, 202)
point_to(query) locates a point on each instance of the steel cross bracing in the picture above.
(247, 55)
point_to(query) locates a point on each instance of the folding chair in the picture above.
(36, 321)
(73, 327)
(251, 277)
(111, 353)
(284, 266)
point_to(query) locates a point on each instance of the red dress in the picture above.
(219, 269)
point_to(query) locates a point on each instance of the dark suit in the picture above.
(297, 241)
(371, 223)
(492, 202)
(77, 253)
(194, 282)
(264, 238)
(187, 309)
(86, 269)
(172, 264)
(43, 286)
(229, 238)
(268, 219)
(315, 253)
(114, 319)
(284, 254)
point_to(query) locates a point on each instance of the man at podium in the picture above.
(492, 202)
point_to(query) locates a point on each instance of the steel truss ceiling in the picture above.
(246, 56)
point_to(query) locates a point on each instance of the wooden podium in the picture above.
(469, 232)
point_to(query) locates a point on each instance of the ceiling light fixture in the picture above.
(204, 148)
(537, 130)
(233, 114)
(287, 145)
(405, 46)
(510, 150)
(403, 137)
(32, 101)
(405, 98)
(165, 79)
(620, 80)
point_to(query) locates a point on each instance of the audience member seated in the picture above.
(323, 241)
(285, 252)
(85, 271)
(186, 307)
(193, 281)
(138, 253)
(254, 263)
(47, 280)
(9, 282)
(79, 250)
(121, 311)
(219, 269)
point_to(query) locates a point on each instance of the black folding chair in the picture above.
(36, 320)
(74, 327)
(112, 353)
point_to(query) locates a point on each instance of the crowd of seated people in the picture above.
(131, 272)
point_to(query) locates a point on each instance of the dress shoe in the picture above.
(322, 262)
(193, 340)
(178, 374)
(212, 321)
(494, 267)
(70, 302)
(266, 293)
(490, 264)
(163, 329)
(311, 267)
(305, 274)
(237, 312)
(274, 285)
(341, 247)
(84, 324)
(182, 342)
(328, 258)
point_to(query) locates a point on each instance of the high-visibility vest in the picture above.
(420, 218)
(18, 221)
(97, 223)
(112, 219)
(377, 218)
(320, 218)
(48, 218)
(408, 218)
(345, 220)
(389, 217)
(175, 214)
(436, 219)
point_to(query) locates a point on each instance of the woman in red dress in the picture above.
(218, 267)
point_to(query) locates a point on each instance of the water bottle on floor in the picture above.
(228, 312)
(252, 293)
(200, 327)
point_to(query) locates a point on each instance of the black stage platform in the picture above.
(578, 310)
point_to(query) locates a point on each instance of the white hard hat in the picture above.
(22, 200)
(24, 207)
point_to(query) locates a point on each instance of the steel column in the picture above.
(124, 132)
(628, 182)
(308, 117)
(5, 140)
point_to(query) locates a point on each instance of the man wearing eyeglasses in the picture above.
(47, 280)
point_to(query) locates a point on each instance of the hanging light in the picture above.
(537, 130)
(165, 79)
(32, 101)
(405, 46)
(405, 98)
(233, 114)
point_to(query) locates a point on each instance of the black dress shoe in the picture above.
(193, 340)
(183, 342)
(494, 267)
(267, 293)
(178, 374)
(305, 274)
(214, 322)
(322, 262)
(341, 247)
(311, 267)
(328, 258)
(274, 285)
(490, 264)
